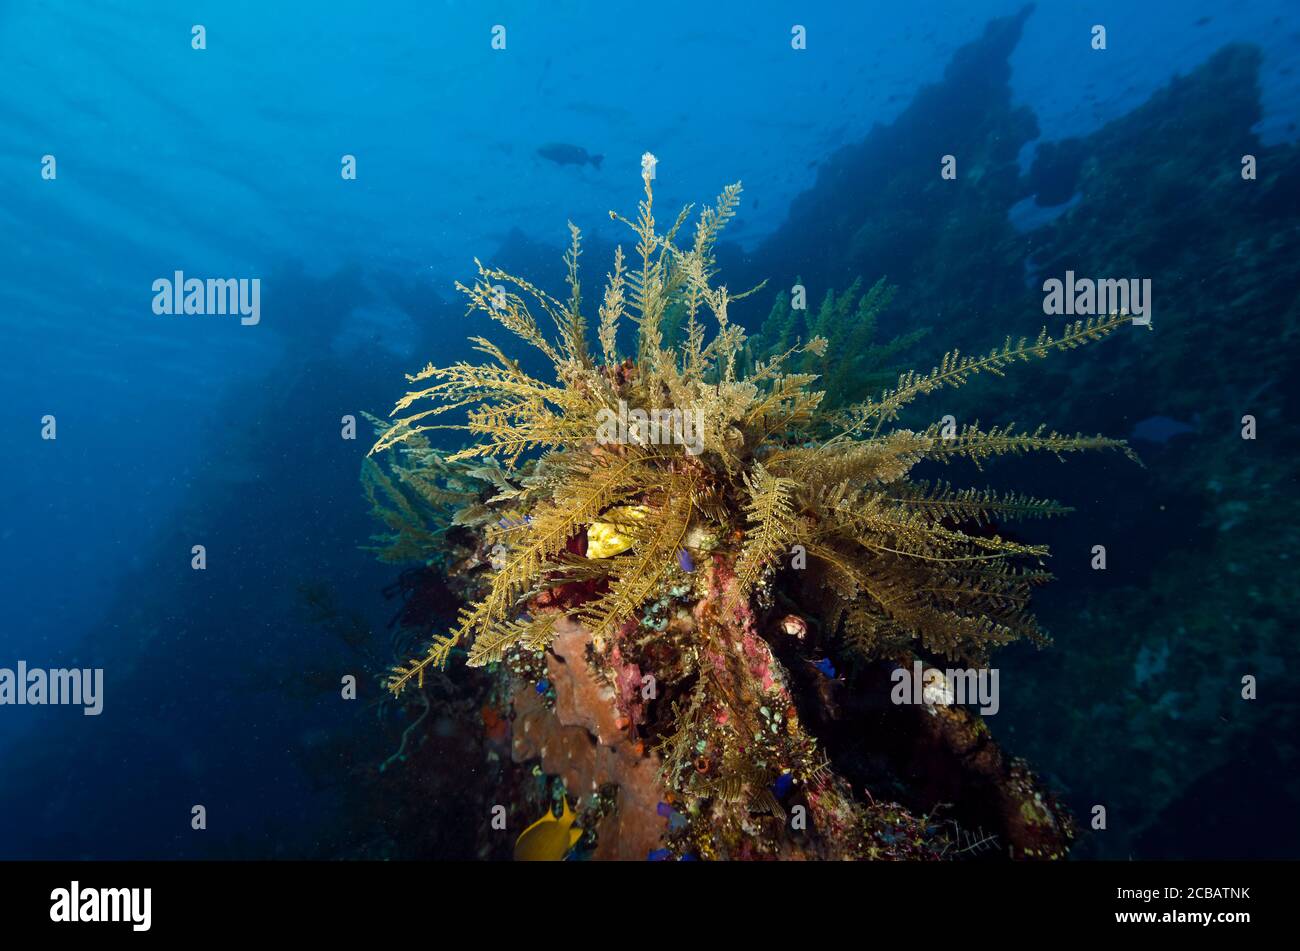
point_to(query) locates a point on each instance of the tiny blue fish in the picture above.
(783, 784)
(1161, 429)
(824, 665)
(543, 686)
(684, 559)
(659, 855)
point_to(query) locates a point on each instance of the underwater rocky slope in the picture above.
(668, 549)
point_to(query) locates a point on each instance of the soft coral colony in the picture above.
(705, 594)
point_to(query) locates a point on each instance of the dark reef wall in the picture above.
(1137, 706)
(1210, 527)
(879, 207)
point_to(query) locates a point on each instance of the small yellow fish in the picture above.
(607, 538)
(549, 839)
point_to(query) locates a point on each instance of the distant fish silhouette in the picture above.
(563, 154)
(1161, 429)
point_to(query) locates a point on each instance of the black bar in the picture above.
(381, 902)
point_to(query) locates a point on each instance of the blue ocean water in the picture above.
(225, 162)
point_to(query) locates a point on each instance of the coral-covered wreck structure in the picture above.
(697, 586)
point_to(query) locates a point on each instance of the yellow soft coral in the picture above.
(904, 560)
